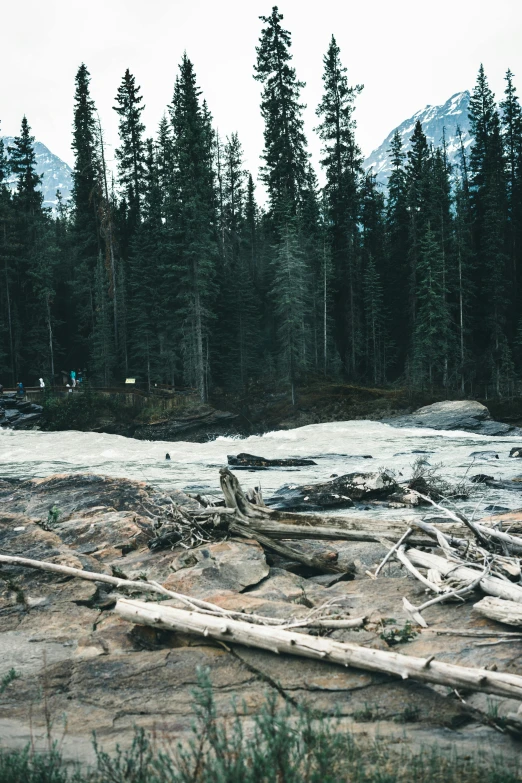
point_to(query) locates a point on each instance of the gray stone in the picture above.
(467, 415)
(340, 492)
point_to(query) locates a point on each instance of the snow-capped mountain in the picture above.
(435, 120)
(57, 174)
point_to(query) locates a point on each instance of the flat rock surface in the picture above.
(467, 415)
(75, 658)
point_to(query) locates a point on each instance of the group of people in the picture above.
(75, 379)
(71, 380)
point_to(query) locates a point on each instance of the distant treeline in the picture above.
(173, 273)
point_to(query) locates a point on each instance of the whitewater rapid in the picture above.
(337, 447)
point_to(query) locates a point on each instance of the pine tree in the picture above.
(342, 161)
(291, 304)
(35, 284)
(23, 164)
(285, 155)
(78, 309)
(146, 311)
(192, 272)
(396, 272)
(241, 320)
(108, 234)
(165, 162)
(102, 338)
(489, 204)
(377, 343)
(7, 273)
(440, 215)
(511, 119)
(431, 337)
(312, 241)
(417, 188)
(130, 155)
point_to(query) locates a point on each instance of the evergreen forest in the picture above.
(173, 270)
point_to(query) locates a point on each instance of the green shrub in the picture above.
(282, 745)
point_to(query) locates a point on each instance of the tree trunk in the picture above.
(322, 649)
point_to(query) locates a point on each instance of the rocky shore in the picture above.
(18, 413)
(262, 412)
(82, 668)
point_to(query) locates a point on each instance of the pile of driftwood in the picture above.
(487, 557)
(246, 515)
(468, 556)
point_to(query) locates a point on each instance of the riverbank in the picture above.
(260, 409)
(81, 667)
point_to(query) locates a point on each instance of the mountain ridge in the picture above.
(444, 119)
(57, 175)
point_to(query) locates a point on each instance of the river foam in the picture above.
(337, 447)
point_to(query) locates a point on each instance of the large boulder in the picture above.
(340, 492)
(467, 415)
(244, 460)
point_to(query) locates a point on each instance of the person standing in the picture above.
(73, 378)
(42, 383)
(20, 391)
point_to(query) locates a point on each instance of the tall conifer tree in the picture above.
(342, 161)
(192, 273)
(489, 202)
(285, 155)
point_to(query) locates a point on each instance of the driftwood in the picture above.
(288, 524)
(391, 551)
(491, 585)
(509, 612)
(415, 611)
(316, 563)
(401, 555)
(313, 621)
(277, 640)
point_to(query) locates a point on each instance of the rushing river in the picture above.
(336, 447)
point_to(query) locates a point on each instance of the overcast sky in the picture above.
(407, 54)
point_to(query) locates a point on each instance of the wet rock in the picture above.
(339, 492)
(18, 413)
(481, 478)
(83, 494)
(467, 415)
(516, 452)
(484, 455)
(26, 422)
(251, 461)
(196, 428)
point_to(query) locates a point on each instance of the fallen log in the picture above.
(270, 521)
(509, 612)
(298, 532)
(204, 607)
(280, 641)
(328, 566)
(491, 585)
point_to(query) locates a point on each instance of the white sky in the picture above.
(407, 53)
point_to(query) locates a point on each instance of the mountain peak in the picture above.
(57, 175)
(436, 121)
